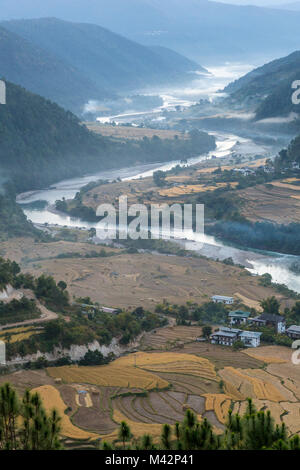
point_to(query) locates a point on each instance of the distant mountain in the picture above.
(106, 60)
(204, 30)
(294, 6)
(36, 69)
(268, 88)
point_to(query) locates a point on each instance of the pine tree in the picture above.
(38, 431)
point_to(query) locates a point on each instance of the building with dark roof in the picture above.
(270, 319)
(228, 336)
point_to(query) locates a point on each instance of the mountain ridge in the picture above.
(86, 61)
(200, 29)
(268, 88)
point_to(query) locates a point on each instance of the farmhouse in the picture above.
(87, 309)
(238, 317)
(225, 336)
(113, 311)
(269, 319)
(228, 336)
(293, 332)
(251, 339)
(222, 299)
(244, 171)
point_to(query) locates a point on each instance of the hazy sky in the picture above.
(258, 2)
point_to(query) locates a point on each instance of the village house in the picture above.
(251, 339)
(87, 309)
(225, 336)
(238, 317)
(245, 171)
(293, 332)
(228, 336)
(295, 166)
(222, 299)
(113, 311)
(269, 319)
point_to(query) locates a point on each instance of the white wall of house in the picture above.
(281, 327)
(251, 342)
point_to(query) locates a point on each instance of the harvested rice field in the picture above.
(19, 334)
(117, 374)
(170, 337)
(135, 370)
(270, 354)
(183, 190)
(149, 389)
(52, 399)
(277, 202)
(207, 385)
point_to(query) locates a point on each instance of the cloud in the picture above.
(279, 119)
(93, 106)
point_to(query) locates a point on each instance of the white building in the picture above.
(222, 299)
(228, 336)
(251, 339)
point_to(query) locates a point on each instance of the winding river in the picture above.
(204, 87)
(256, 262)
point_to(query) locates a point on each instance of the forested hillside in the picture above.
(42, 143)
(291, 154)
(268, 89)
(13, 222)
(39, 71)
(94, 57)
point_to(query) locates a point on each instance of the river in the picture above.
(206, 87)
(256, 262)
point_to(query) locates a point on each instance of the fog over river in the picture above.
(257, 262)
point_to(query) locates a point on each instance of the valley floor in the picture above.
(130, 280)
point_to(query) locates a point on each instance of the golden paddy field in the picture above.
(182, 190)
(148, 389)
(19, 334)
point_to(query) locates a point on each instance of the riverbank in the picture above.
(277, 266)
(111, 276)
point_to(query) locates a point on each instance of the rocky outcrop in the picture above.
(77, 352)
(6, 293)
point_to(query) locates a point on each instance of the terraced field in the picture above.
(167, 338)
(52, 399)
(189, 381)
(149, 389)
(19, 334)
(183, 190)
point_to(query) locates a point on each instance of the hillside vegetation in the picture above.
(268, 88)
(27, 64)
(42, 143)
(72, 63)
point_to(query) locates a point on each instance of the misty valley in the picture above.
(184, 336)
